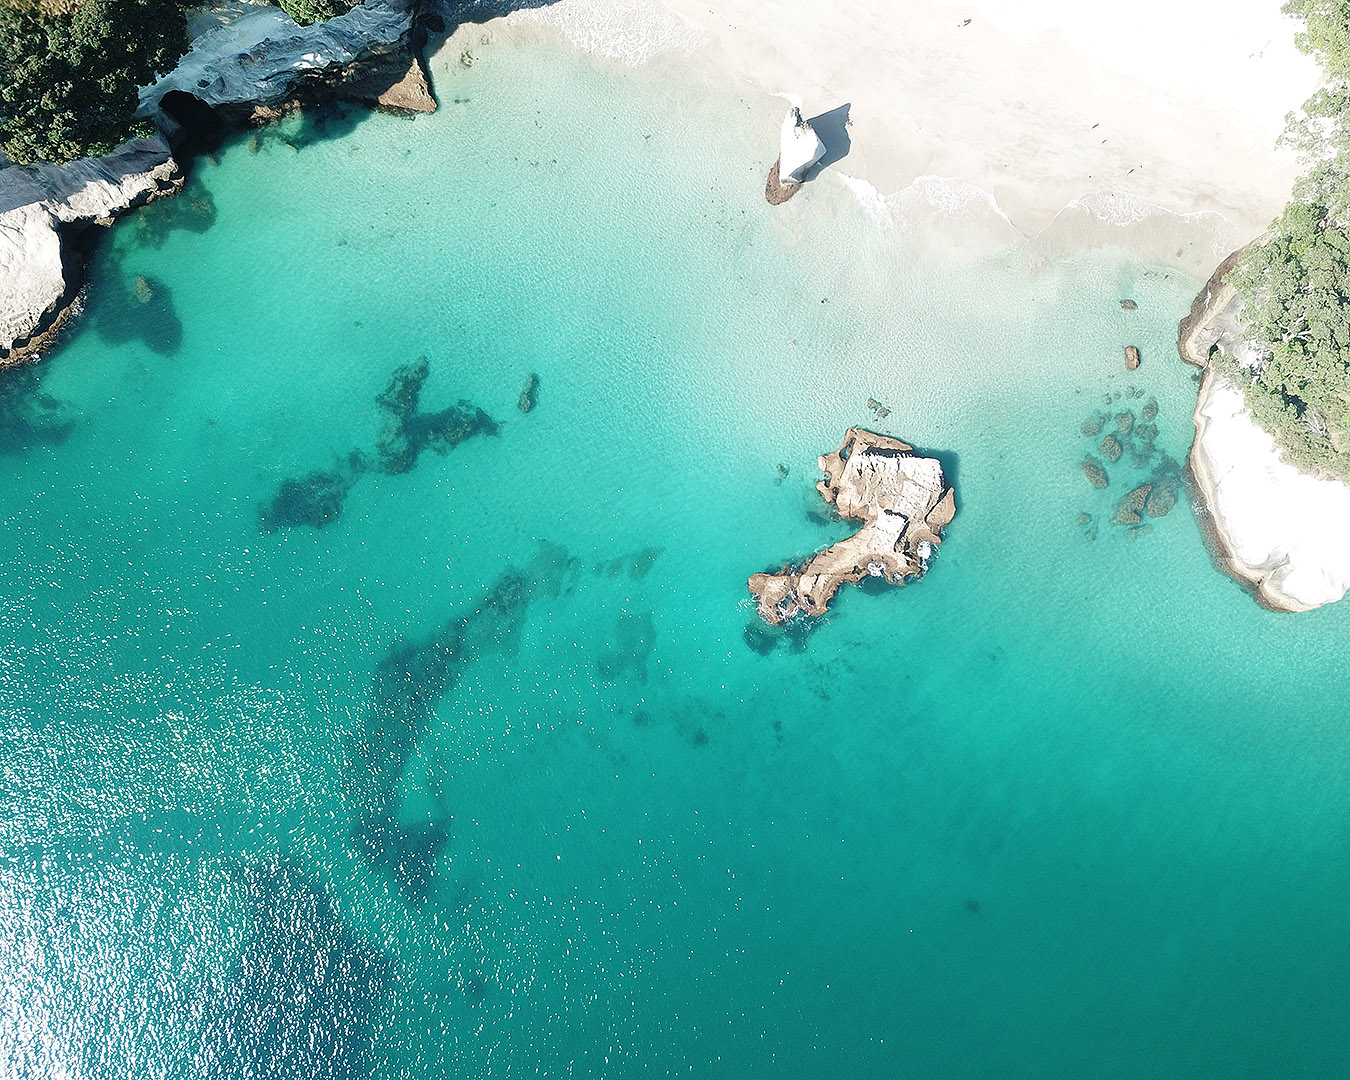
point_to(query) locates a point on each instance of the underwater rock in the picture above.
(1128, 305)
(1125, 422)
(1149, 412)
(1131, 357)
(1083, 519)
(1111, 449)
(315, 499)
(904, 503)
(406, 431)
(1160, 501)
(1092, 426)
(1096, 474)
(1130, 508)
(529, 393)
(782, 471)
(142, 289)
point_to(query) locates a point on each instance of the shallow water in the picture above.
(481, 775)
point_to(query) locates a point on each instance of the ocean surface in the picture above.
(354, 722)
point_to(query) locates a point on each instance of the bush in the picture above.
(69, 79)
(311, 11)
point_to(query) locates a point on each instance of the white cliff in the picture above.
(38, 203)
(1283, 533)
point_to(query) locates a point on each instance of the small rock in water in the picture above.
(1129, 509)
(1111, 449)
(1125, 422)
(1084, 519)
(1106, 399)
(1091, 533)
(1150, 411)
(1092, 425)
(1131, 357)
(142, 290)
(1128, 305)
(782, 471)
(1096, 474)
(529, 394)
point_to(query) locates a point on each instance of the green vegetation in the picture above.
(69, 74)
(312, 11)
(1296, 287)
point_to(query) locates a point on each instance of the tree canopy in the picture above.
(1295, 286)
(69, 78)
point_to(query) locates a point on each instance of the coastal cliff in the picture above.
(44, 210)
(904, 503)
(1278, 531)
(247, 71)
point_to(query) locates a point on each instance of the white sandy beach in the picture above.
(1044, 104)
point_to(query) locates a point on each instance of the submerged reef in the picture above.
(316, 499)
(305, 992)
(29, 416)
(406, 431)
(904, 503)
(1130, 441)
(408, 685)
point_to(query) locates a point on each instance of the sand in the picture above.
(1031, 108)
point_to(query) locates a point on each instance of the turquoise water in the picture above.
(481, 777)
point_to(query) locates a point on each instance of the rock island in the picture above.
(904, 503)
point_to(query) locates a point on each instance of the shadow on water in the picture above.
(408, 685)
(305, 991)
(126, 307)
(832, 127)
(29, 416)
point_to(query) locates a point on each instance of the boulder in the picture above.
(1092, 469)
(1129, 511)
(1111, 449)
(799, 148)
(1131, 357)
(1128, 305)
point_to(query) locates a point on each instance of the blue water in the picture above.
(481, 776)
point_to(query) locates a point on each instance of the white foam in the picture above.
(631, 32)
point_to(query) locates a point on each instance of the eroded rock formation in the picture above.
(799, 148)
(43, 209)
(904, 503)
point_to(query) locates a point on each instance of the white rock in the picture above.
(1286, 533)
(258, 57)
(799, 148)
(37, 200)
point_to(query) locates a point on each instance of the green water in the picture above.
(482, 778)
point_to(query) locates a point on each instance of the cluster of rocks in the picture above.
(316, 499)
(1121, 436)
(903, 501)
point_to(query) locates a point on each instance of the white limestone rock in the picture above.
(1285, 533)
(258, 58)
(799, 148)
(37, 201)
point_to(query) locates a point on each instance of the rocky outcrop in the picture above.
(259, 65)
(1282, 533)
(904, 503)
(43, 211)
(799, 148)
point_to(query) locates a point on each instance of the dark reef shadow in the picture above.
(305, 991)
(29, 416)
(832, 127)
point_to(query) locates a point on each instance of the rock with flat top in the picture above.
(903, 501)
